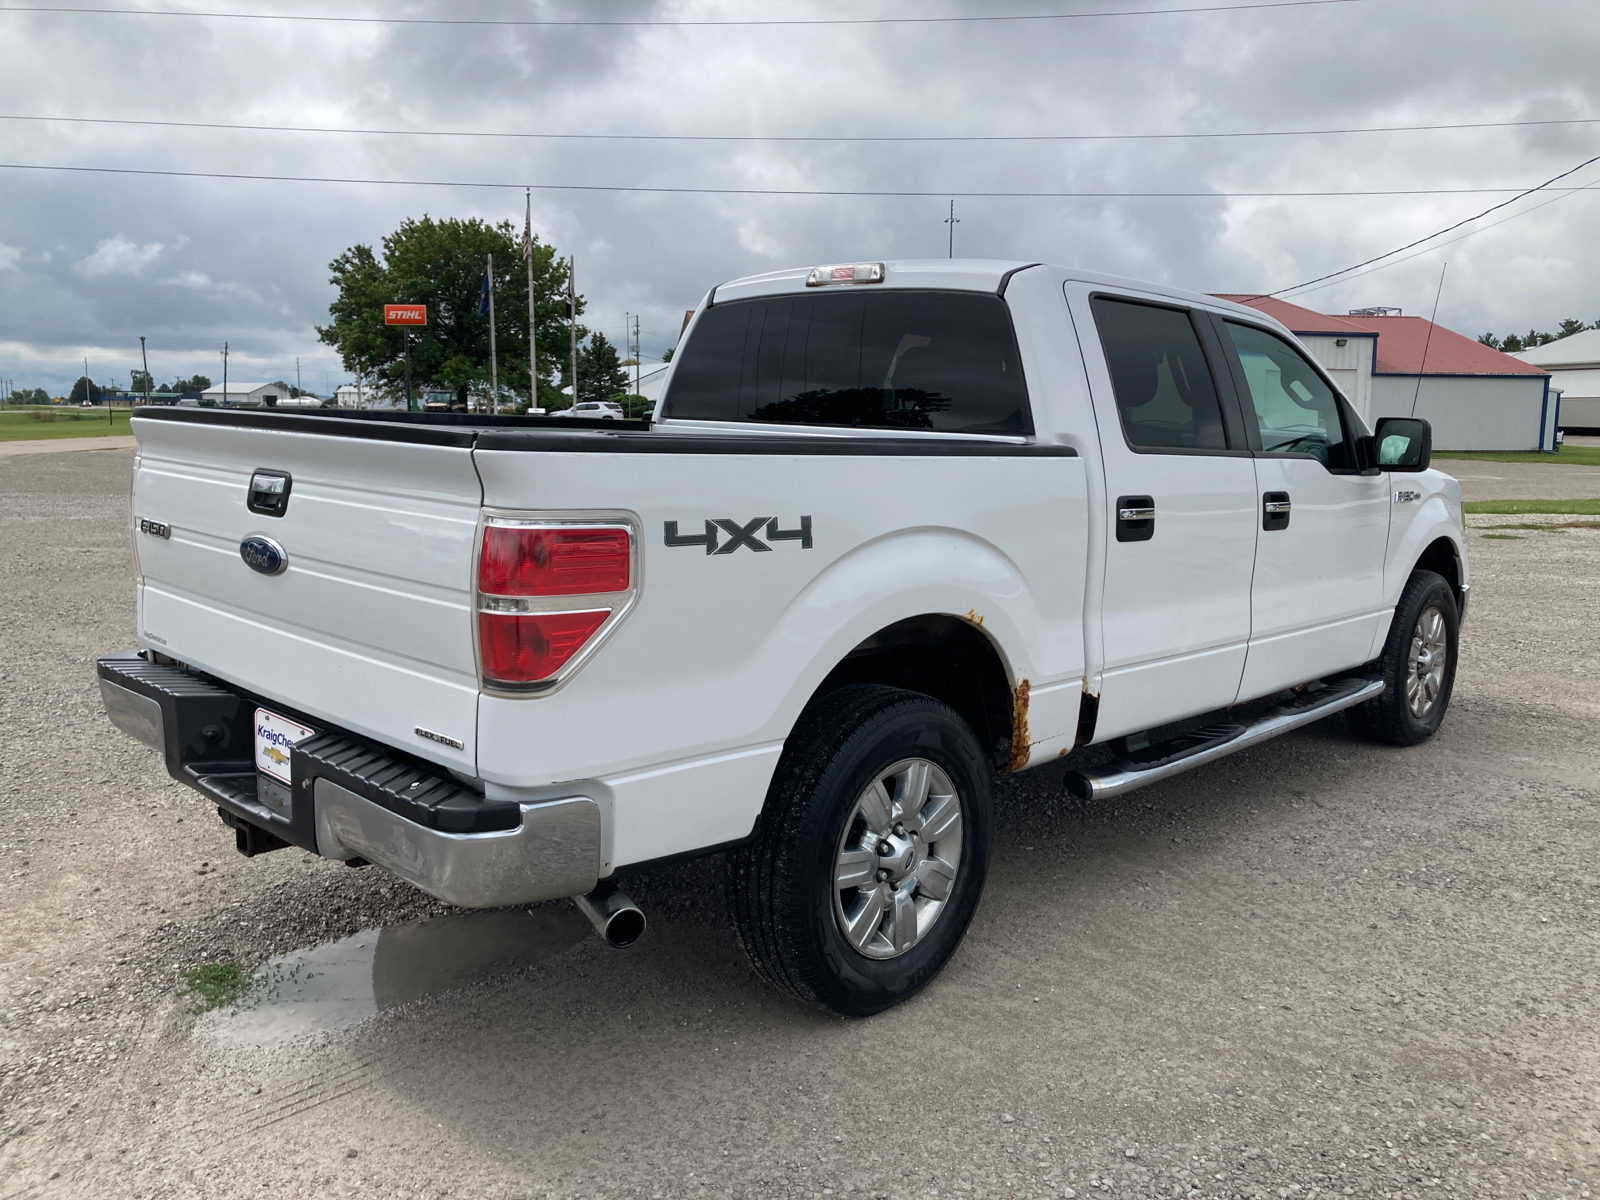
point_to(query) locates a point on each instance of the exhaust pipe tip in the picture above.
(615, 918)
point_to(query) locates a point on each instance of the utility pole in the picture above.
(636, 354)
(296, 377)
(494, 366)
(146, 358)
(88, 388)
(952, 220)
(533, 352)
(405, 340)
(224, 374)
(572, 319)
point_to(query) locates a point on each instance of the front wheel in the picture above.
(1418, 664)
(871, 854)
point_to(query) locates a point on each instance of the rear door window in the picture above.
(940, 361)
(1159, 374)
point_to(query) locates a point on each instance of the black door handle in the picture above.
(1136, 518)
(1274, 510)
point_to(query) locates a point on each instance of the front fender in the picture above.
(1414, 525)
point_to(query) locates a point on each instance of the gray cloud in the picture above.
(92, 262)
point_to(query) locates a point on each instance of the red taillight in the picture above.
(519, 560)
(547, 592)
(530, 647)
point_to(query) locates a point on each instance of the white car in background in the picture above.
(602, 410)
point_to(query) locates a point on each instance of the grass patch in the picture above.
(215, 984)
(1503, 537)
(63, 423)
(1575, 508)
(1556, 526)
(1571, 456)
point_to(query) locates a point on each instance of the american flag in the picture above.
(527, 231)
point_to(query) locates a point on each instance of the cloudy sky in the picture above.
(88, 262)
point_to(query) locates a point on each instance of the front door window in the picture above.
(1295, 408)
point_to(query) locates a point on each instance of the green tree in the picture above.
(85, 388)
(441, 264)
(600, 372)
(141, 382)
(183, 387)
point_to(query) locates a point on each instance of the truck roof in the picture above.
(966, 275)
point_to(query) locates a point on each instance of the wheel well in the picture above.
(1440, 558)
(944, 657)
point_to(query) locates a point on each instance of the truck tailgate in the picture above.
(369, 625)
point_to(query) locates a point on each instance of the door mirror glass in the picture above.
(1403, 443)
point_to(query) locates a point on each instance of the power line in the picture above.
(1562, 194)
(590, 23)
(792, 138)
(1447, 229)
(712, 191)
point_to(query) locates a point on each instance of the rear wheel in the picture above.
(1418, 664)
(871, 854)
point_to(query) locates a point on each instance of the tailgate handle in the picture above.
(1136, 518)
(1274, 511)
(269, 493)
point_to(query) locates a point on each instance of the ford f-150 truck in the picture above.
(898, 528)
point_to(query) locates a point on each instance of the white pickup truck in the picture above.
(898, 528)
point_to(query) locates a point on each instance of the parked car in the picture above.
(899, 528)
(603, 410)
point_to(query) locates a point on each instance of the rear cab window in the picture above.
(1166, 397)
(944, 362)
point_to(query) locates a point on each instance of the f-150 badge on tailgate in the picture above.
(746, 534)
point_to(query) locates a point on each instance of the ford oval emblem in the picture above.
(263, 554)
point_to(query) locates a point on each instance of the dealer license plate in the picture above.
(275, 736)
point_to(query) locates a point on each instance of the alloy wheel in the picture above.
(1425, 663)
(898, 858)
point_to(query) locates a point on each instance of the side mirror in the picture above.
(1403, 444)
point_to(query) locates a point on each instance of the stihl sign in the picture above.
(405, 314)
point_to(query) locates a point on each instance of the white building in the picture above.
(1574, 366)
(1475, 397)
(253, 395)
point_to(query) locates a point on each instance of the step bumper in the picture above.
(351, 798)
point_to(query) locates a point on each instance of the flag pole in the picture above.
(533, 353)
(494, 367)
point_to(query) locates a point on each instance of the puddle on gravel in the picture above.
(335, 985)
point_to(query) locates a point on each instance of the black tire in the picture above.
(782, 886)
(1389, 718)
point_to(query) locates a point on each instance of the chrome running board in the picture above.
(1165, 759)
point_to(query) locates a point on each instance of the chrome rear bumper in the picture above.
(349, 798)
(554, 852)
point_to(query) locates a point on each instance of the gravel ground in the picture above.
(1521, 481)
(1317, 968)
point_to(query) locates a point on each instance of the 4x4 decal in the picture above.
(747, 534)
